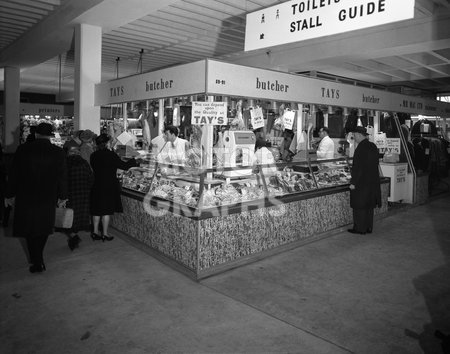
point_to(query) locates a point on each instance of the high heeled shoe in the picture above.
(107, 238)
(37, 268)
(95, 237)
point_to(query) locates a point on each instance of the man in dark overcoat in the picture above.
(365, 190)
(36, 184)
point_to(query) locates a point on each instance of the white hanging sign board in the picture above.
(380, 141)
(209, 113)
(294, 21)
(257, 118)
(289, 119)
(392, 145)
(126, 138)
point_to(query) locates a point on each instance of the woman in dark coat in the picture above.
(365, 190)
(81, 179)
(105, 195)
(2, 186)
(37, 179)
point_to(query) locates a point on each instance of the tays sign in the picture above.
(295, 21)
(209, 113)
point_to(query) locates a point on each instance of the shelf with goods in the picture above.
(205, 189)
(59, 116)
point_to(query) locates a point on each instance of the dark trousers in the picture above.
(363, 220)
(36, 248)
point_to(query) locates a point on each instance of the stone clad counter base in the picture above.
(204, 247)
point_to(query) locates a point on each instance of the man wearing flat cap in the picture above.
(36, 184)
(365, 190)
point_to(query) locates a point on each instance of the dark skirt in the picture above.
(105, 199)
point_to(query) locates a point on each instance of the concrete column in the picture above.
(88, 65)
(11, 129)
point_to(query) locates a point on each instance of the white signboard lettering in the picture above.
(257, 117)
(209, 113)
(181, 80)
(288, 118)
(295, 21)
(400, 174)
(238, 80)
(393, 145)
(380, 141)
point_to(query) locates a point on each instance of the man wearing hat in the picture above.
(36, 184)
(365, 191)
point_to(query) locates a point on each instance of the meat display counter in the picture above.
(203, 221)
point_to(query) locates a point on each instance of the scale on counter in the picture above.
(239, 149)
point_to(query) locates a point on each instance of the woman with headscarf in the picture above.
(80, 182)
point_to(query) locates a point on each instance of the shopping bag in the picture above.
(63, 218)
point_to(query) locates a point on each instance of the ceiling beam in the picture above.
(421, 61)
(441, 57)
(54, 34)
(444, 3)
(425, 6)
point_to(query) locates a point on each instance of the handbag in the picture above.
(63, 218)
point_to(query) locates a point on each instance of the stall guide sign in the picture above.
(295, 21)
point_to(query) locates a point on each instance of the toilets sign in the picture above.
(295, 21)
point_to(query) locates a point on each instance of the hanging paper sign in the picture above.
(380, 141)
(288, 118)
(393, 145)
(257, 118)
(176, 118)
(209, 113)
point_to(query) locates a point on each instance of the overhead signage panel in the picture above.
(236, 80)
(295, 21)
(181, 80)
(46, 109)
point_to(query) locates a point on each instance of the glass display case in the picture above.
(227, 186)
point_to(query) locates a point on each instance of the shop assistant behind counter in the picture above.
(326, 145)
(174, 149)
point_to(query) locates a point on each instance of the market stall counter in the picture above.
(205, 222)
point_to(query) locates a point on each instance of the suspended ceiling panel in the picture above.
(141, 35)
